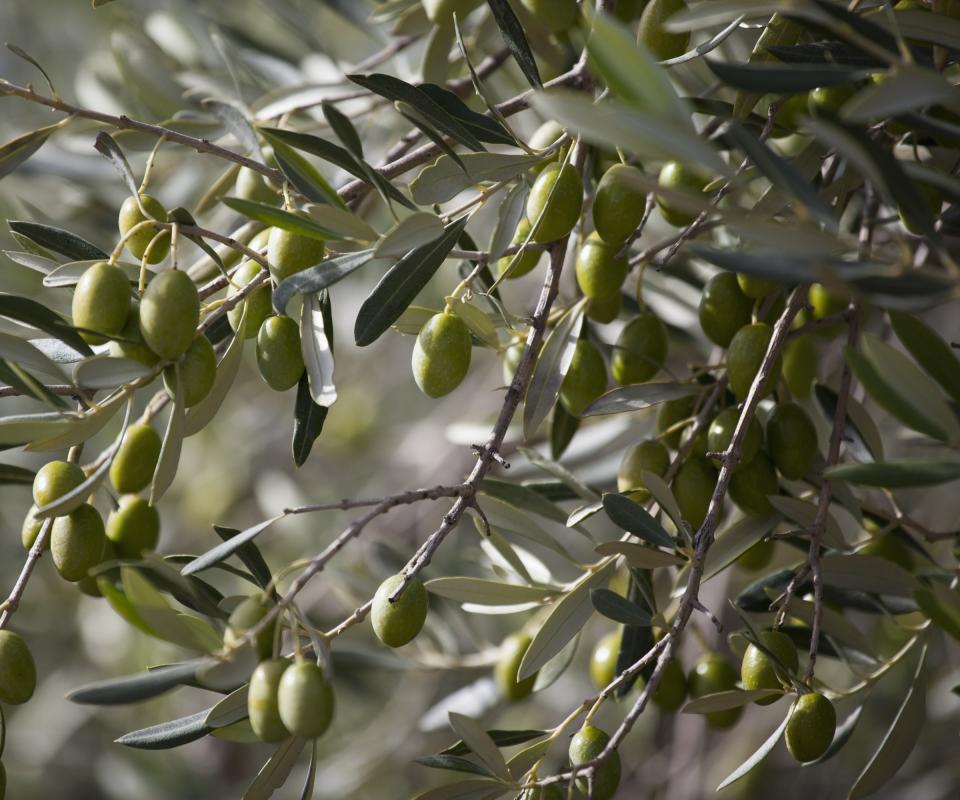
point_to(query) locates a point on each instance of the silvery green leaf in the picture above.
(317, 354)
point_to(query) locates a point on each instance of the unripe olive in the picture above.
(800, 364)
(586, 378)
(278, 352)
(547, 134)
(555, 15)
(790, 113)
(599, 271)
(755, 287)
(671, 413)
(136, 459)
(660, 42)
(558, 212)
(262, 706)
(513, 649)
(305, 700)
(711, 675)
(619, 204)
(289, 253)
(744, 356)
(672, 689)
(169, 313)
(891, 548)
(724, 308)
(137, 244)
(792, 440)
(30, 529)
(18, 673)
(586, 745)
(133, 346)
(757, 557)
(77, 542)
(646, 456)
(693, 487)
(605, 309)
(603, 661)
(133, 527)
(442, 10)
(198, 370)
(528, 258)
(511, 360)
(824, 302)
(101, 301)
(441, 356)
(55, 479)
(399, 622)
(811, 727)
(720, 434)
(828, 98)
(759, 671)
(750, 486)
(257, 304)
(674, 175)
(640, 350)
(251, 185)
(247, 614)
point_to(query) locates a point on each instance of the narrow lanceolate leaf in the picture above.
(37, 315)
(305, 177)
(860, 433)
(636, 397)
(17, 151)
(635, 519)
(172, 443)
(317, 354)
(512, 32)
(929, 350)
(447, 177)
(250, 555)
(900, 739)
(10, 473)
(550, 368)
(167, 735)
(453, 764)
(897, 474)
(227, 548)
(409, 233)
(143, 686)
(483, 127)
(761, 753)
(344, 130)
(110, 150)
(500, 738)
(942, 605)
(907, 89)
(844, 731)
(74, 247)
(618, 608)
(275, 772)
(524, 498)
(278, 218)
(551, 672)
(308, 419)
(722, 701)
(481, 744)
(319, 277)
(401, 284)
(486, 592)
(783, 78)
(639, 555)
(565, 621)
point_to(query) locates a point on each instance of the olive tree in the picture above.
(711, 245)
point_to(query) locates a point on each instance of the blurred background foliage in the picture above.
(150, 60)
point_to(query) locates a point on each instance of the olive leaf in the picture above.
(512, 32)
(167, 735)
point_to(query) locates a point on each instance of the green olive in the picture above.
(556, 16)
(646, 456)
(130, 344)
(511, 360)
(671, 413)
(586, 745)
(55, 479)
(30, 530)
(399, 622)
(305, 700)
(824, 302)
(744, 356)
(720, 434)
(512, 651)
(829, 98)
(606, 308)
(792, 440)
(77, 542)
(262, 706)
(441, 356)
(554, 203)
(198, 370)
(711, 675)
(640, 350)
(586, 378)
(751, 486)
(169, 313)
(759, 671)
(134, 527)
(603, 660)
(289, 253)
(674, 175)
(136, 459)
(258, 303)
(528, 258)
(440, 11)
(790, 114)
(932, 201)
(18, 673)
(599, 272)
(757, 557)
(139, 242)
(251, 185)
(101, 301)
(800, 364)
(693, 487)
(672, 689)
(546, 135)
(811, 728)
(660, 42)
(891, 548)
(619, 204)
(247, 614)
(755, 287)
(279, 356)
(724, 308)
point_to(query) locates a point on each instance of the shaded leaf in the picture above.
(618, 608)
(758, 755)
(447, 177)
(167, 735)
(318, 277)
(59, 241)
(512, 32)
(37, 315)
(897, 474)
(640, 556)
(143, 686)
(18, 150)
(635, 519)
(227, 548)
